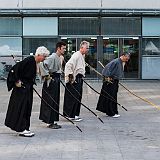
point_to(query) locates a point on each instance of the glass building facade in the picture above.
(109, 36)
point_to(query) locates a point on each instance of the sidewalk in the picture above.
(133, 136)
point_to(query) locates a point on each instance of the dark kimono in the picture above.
(108, 105)
(20, 103)
(71, 106)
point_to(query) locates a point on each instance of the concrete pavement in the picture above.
(133, 136)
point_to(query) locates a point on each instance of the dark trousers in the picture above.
(19, 108)
(71, 106)
(47, 114)
(107, 105)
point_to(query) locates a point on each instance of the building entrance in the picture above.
(90, 58)
(113, 47)
(106, 50)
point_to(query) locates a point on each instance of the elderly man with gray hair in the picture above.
(74, 72)
(112, 73)
(21, 79)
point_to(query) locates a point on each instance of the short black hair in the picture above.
(60, 44)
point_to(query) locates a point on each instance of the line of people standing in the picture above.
(22, 77)
(50, 69)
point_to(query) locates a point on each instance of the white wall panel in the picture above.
(10, 3)
(151, 26)
(145, 4)
(40, 26)
(150, 67)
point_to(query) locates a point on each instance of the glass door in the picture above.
(90, 58)
(131, 69)
(110, 49)
(113, 47)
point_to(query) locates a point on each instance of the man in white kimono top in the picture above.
(74, 71)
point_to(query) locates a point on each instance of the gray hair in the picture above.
(125, 54)
(42, 51)
(84, 43)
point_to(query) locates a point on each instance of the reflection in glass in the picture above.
(122, 26)
(151, 46)
(131, 68)
(9, 46)
(11, 26)
(150, 58)
(90, 58)
(78, 26)
(110, 50)
(31, 44)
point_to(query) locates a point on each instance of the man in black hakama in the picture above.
(47, 114)
(112, 72)
(21, 79)
(74, 72)
(51, 71)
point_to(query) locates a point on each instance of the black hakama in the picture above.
(20, 104)
(47, 114)
(71, 106)
(106, 105)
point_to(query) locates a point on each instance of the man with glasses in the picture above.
(74, 71)
(50, 69)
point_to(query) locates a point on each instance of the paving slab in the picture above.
(133, 136)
